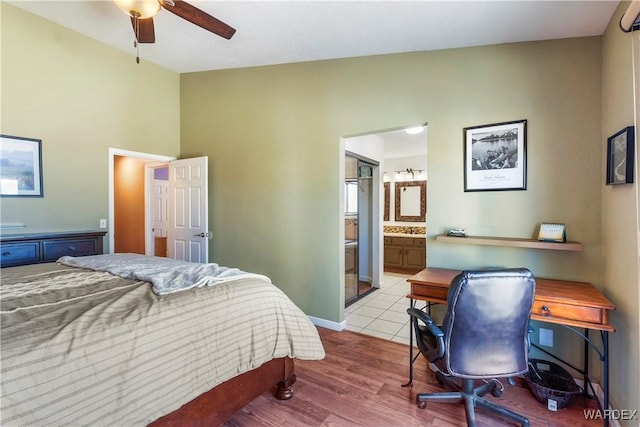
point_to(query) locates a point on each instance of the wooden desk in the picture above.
(570, 304)
(562, 302)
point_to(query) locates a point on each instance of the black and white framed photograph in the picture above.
(620, 154)
(20, 167)
(495, 157)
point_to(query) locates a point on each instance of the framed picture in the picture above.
(495, 157)
(620, 156)
(20, 167)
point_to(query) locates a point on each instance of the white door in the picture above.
(159, 206)
(188, 234)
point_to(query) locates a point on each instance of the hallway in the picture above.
(383, 313)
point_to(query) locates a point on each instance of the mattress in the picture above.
(81, 347)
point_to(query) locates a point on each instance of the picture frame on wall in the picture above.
(620, 157)
(20, 167)
(495, 157)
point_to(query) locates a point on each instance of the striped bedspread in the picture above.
(86, 348)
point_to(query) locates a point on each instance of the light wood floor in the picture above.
(359, 384)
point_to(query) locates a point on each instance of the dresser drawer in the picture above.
(52, 250)
(19, 253)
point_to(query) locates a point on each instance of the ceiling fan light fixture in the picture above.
(141, 9)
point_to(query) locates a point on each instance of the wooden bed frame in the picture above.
(218, 404)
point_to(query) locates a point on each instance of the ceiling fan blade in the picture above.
(143, 29)
(202, 19)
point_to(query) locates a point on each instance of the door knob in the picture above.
(208, 235)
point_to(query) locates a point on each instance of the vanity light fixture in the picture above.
(409, 174)
(410, 171)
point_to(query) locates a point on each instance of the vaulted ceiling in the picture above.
(277, 32)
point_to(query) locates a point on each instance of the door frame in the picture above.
(152, 158)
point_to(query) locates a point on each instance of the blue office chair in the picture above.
(484, 336)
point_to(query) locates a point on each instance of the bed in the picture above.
(84, 346)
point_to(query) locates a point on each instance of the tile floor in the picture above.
(383, 313)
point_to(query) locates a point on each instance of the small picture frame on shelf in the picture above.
(620, 154)
(552, 232)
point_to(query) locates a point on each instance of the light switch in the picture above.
(103, 223)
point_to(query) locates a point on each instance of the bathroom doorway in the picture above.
(361, 177)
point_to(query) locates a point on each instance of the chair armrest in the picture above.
(427, 320)
(431, 350)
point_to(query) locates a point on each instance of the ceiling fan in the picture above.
(141, 13)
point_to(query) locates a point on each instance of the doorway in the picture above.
(360, 216)
(142, 222)
(402, 157)
(129, 200)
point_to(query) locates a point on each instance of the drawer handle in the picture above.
(6, 253)
(545, 310)
(72, 248)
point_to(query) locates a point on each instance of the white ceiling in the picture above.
(398, 143)
(277, 32)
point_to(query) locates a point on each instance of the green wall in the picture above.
(79, 97)
(620, 209)
(273, 136)
(274, 139)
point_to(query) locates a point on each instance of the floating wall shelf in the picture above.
(510, 241)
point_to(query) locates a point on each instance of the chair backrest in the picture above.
(486, 323)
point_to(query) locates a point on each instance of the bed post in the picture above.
(285, 386)
(218, 404)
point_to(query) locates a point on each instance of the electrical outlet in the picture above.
(546, 337)
(103, 223)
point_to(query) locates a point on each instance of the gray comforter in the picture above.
(83, 347)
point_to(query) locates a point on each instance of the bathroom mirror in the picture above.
(387, 198)
(411, 203)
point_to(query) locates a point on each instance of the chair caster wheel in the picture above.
(422, 405)
(496, 392)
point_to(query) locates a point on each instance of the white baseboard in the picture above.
(329, 324)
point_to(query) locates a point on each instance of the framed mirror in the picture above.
(387, 199)
(411, 201)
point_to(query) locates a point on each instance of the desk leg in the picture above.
(410, 383)
(604, 357)
(605, 374)
(585, 364)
